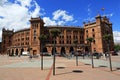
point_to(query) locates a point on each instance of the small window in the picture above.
(60, 42)
(93, 30)
(67, 42)
(63, 42)
(94, 41)
(86, 31)
(34, 31)
(34, 38)
(93, 35)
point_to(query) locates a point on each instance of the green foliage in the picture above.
(116, 47)
(107, 37)
(75, 41)
(54, 32)
(42, 38)
(90, 39)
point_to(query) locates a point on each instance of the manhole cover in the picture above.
(77, 71)
(102, 66)
(60, 67)
(118, 68)
(87, 64)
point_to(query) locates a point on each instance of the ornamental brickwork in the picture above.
(14, 43)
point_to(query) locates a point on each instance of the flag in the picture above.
(102, 9)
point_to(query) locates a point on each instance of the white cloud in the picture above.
(109, 15)
(60, 17)
(25, 3)
(63, 15)
(15, 15)
(116, 35)
(89, 19)
(89, 11)
(36, 12)
(2, 2)
(48, 21)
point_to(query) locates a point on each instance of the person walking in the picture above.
(30, 57)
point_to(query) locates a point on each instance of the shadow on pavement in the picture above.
(73, 71)
(118, 68)
(87, 64)
(102, 66)
(60, 67)
(77, 71)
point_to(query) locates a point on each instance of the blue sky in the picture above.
(15, 14)
(83, 9)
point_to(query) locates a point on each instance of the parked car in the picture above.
(114, 53)
(25, 53)
(97, 55)
(35, 56)
(45, 54)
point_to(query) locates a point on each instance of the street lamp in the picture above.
(90, 40)
(107, 37)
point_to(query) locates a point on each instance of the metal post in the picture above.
(42, 61)
(92, 60)
(54, 58)
(92, 57)
(76, 59)
(109, 58)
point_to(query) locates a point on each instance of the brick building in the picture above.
(22, 40)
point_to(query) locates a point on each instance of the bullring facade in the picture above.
(14, 43)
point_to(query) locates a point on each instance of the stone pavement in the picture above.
(68, 70)
(21, 68)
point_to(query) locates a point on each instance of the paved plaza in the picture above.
(22, 68)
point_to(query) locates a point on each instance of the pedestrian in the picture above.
(106, 55)
(30, 57)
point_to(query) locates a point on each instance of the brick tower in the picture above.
(36, 28)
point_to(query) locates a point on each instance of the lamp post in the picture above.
(54, 33)
(109, 56)
(42, 38)
(54, 58)
(76, 42)
(90, 40)
(107, 38)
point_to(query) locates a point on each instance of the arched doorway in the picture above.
(8, 52)
(28, 49)
(53, 50)
(86, 49)
(16, 53)
(22, 50)
(12, 52)
(71, 50)
(45, 49)
(62, 52)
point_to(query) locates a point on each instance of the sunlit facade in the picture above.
(14, 43)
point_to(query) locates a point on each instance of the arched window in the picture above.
(93, 30)
(86, 31)
(93, 35)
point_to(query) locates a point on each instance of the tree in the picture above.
(89, 41)
(54, 33)
(116, 47)
(107, 38)
(42, 39)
